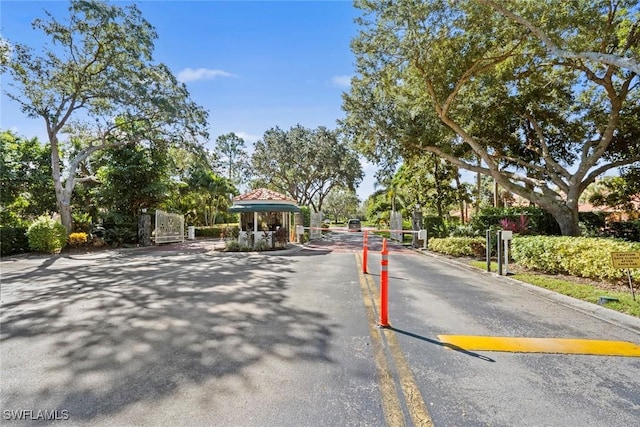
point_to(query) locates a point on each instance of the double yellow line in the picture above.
(389, 360)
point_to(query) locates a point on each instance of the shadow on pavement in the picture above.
(443, 344)
(104, 334)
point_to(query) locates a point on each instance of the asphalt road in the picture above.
(189, 336)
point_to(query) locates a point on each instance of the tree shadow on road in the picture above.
(105, 334)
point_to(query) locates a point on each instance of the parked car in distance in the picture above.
(354, 225)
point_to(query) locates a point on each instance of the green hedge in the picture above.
(217, 232)
(13, 240)
(458, 246)
(47, 235)
(587, 257)
(539, 220)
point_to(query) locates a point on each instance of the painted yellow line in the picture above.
(415, 403)
(543, 345)
(417, 408)
(391, 406)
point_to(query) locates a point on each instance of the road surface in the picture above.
(192, 336)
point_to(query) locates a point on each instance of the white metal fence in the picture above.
(169, 227)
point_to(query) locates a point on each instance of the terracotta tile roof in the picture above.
(263, 194)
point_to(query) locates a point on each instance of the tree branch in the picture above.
(609, 59)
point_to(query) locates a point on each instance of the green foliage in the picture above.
(13, 240)
(25, 179)
(213, 232)
(577, 256)
(458, 246)
(340, 204)
(627, 230)
(427, 181)
(234, 158)
(120, 234)
(235, 246)
(101, 92)
(305, 164)
(435, 226)
(47, 235)
(538, 220)
(132, 178)
(261, 245)
(305, 213)
(467, 82)
(119, 230)
(617, 191)
(206, 195)
(593, 223)
(463, 231)
(81, 222)
(377, 208)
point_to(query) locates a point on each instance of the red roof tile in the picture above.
(263, 194)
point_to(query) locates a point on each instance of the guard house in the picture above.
(262, 213)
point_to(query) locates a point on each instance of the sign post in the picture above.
(627, 261)
(506, 236)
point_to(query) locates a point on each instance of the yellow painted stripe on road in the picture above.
(391, 403)
(391, 406)
(543, 345)
(417, 408)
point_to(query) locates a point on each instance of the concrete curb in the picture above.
(625, 321)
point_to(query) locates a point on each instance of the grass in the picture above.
(581, 291)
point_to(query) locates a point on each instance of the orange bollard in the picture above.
(384, 287)
(365, 248)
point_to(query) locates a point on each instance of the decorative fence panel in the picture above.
(316, 222)
(395, 223)
(169, 227)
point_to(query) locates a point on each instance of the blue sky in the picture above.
(253, 65)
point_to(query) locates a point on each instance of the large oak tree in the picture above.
(97, 81)
(305, 163)
(538, 95)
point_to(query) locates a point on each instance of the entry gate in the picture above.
(169, 227)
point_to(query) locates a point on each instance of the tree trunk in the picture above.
(63, 198)
(479, 188)
(569, 224)
(460, 199)
(567, 219)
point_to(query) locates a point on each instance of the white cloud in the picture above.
(190, 75)
(248, 137)
(341, 81)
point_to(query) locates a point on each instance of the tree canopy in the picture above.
(25, 178)
(231, 149)
(541, 96)
(97, 82)
(305, 164)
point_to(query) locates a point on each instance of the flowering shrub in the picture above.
(77, 239)
(521, 226)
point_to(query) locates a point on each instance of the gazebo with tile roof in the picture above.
(263, 212)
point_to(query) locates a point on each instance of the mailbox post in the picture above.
(506, 237)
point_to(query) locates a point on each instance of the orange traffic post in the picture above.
(365, 248)
(384, 287)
